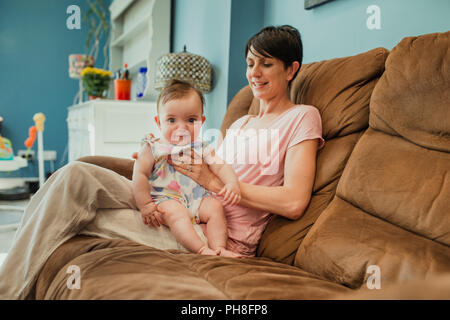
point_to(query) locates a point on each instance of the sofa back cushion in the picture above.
(340, 89)
(413, 100)
(391, 208)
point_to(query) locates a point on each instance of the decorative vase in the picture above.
(122, 89)
(184, 66)
(95, 81)
(77, 62)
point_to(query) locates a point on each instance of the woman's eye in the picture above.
(249, 65)
(267, 64)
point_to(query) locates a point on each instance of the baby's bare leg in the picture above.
(176, 217)
(211, 212)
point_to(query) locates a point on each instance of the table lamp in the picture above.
(183, 66)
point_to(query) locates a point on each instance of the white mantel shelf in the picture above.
(109, 127)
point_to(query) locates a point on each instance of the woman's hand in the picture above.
(200, 173)
(231, 194)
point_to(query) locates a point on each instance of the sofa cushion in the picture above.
(412, 100)
(122, 269)
(345, 241)
(378, 223)
(341, 89)
(434, 288)
(391, 206)
(391, 178)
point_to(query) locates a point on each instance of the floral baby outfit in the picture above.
(168, 184)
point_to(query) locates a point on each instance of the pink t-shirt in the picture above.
(257, 157)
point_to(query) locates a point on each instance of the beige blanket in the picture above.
(78, 198)
(127, 224)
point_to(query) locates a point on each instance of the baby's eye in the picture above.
(171, 120)
(192, 120)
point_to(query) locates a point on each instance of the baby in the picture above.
(179, 199)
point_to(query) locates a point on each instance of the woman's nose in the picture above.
(255, 71)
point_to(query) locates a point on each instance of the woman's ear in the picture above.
(157, 122)
(293, 69)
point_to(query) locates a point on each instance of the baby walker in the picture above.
(9, 162)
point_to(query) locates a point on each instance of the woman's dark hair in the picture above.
(283, 42)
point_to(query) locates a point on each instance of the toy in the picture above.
(10, 190)
(30, 140)
(12, 163)
(39, 120)
(6, 152)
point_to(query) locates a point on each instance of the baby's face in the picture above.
(180, 120)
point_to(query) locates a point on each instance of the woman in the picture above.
(67, 204)
(274, 57)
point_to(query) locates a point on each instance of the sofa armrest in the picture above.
(121, 166)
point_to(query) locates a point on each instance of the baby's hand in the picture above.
(231, 194)
(150, 215)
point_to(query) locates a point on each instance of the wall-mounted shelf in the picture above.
(140, 35)
(118, 7)
(138, 27)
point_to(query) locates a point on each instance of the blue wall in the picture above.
(34, 48)
(338, 28)
(219, 30)
(247, 18)
(204, 27)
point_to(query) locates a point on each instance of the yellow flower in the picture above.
(90, 70)
(106, 73)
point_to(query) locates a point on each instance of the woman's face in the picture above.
(267, 77)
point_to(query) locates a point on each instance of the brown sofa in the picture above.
(380, 198)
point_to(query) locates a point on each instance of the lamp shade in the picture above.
(183, 66)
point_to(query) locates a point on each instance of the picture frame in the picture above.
(309, 4)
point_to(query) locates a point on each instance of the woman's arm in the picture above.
(291, 199)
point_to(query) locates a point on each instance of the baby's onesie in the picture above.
(168, 184)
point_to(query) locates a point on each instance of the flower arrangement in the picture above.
(96, 81)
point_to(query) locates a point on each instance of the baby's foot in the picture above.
(207, 251)
(227, 253)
